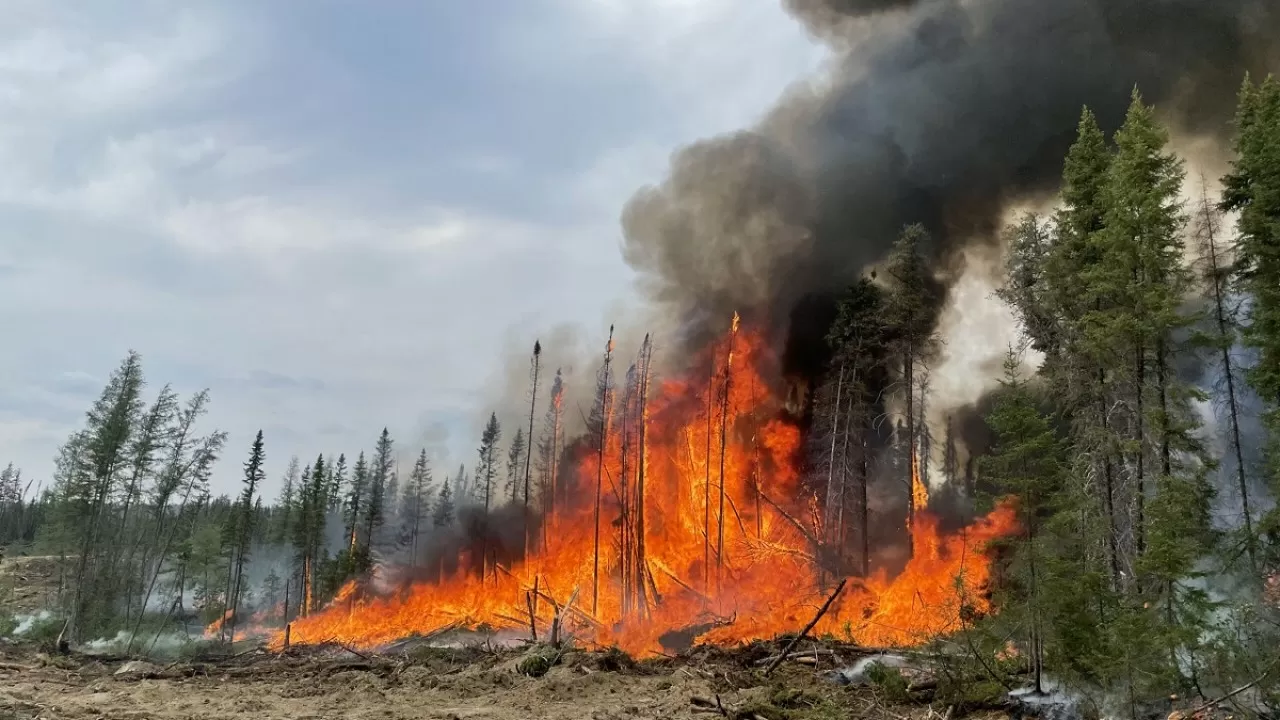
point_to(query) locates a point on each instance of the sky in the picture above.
(336, 215)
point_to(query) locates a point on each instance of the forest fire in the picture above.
(694, 520)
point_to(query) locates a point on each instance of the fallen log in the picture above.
(796, 655)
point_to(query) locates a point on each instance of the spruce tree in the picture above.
(911, 310)
(515, 467)
(357, 497)
(1253, 190)
(416, 505)
(1077, 368)
(1027, 461)
(337, 482)
(442, 515)
(380, 473)
(487, 463)
(843, 415)
(254, 475)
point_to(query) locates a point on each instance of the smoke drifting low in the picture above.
(942, 112)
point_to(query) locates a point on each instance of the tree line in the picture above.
(1143, 452)
(144, 546)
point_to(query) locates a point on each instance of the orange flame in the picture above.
(769, 579)
(919, 491)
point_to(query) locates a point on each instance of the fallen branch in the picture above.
(821, 611)
(681, 583)
(812, 654)
(1233, 693)
(353, 651)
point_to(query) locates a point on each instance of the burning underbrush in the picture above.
(684, 515)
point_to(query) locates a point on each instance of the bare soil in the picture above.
(28, 584)
(430, 683)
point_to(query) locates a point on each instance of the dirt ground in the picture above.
(431, 683)
(418, 681)
(28, 584)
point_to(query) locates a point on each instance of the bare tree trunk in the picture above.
(1140, 493)
(604, 435)
(831, 454)
(724, 424)
(1109, 501)
(641, 561)
(706, 494)
(909, 378)
(1225, 333)
(528, 456)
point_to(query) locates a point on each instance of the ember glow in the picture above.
(705, 528)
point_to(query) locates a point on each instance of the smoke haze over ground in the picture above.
(937, 111)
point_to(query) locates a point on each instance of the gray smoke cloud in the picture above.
(942, 112)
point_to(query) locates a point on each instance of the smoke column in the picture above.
(942, 112)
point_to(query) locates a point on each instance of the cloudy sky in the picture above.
(331, 214)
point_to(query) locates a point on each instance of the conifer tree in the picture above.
(911, 308)
(416, 505)
(254, 475)
(843, 413)
(1027, 461)
(1077, 365)
(380, 469)
(515, 468)
(1142, 272)
(442, 514)
(357, 496)
(1220, 336)
(487, 462)
(1253, 190)
(337, 482)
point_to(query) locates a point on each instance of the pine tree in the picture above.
(462, 487)
(1219, 337)
(1077, 367)
(416, 505)
(515, 467)
(487, 462)
(843, 414)
(442, 515)
(357, 497)
(1027, 461)
(337, 482)
(1142, 272)
(92, 470)
(911, 309)
(1253, 190)
(254, 475)
(286, 504)
(380, 469)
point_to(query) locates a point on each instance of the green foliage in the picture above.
(487, 465)
(889, 681)
(1253, 190)
(537, 662)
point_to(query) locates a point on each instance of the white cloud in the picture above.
(146, 209)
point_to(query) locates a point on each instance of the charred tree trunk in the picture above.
(724, 428)
(528, 455)
(642, 561)
(706, 490)
(600, 448)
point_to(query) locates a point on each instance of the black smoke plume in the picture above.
(941, 112)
